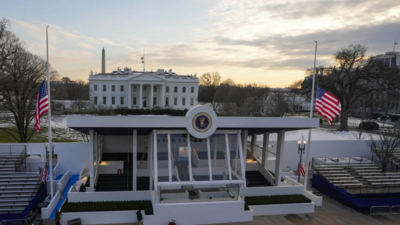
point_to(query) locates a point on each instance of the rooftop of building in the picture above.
(129, 71)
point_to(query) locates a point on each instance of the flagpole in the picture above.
(311, 112)
(49, 118)
(144, 60)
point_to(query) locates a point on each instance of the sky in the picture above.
(251, 41)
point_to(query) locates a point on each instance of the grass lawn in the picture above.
(36, 138)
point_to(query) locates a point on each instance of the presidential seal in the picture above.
(202, 122)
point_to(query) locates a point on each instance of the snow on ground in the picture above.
(316, 134)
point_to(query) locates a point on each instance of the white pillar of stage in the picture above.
(140, 96)
(95, 156)
(244, 143)
(134, 159)
(215, 152)
(265, 149)
(279, 159)
(151, 95)
(91, 149)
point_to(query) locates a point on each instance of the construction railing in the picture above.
(12, 150)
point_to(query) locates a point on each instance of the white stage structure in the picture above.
(191, 160)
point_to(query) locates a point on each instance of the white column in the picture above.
(151, 95)
(189, 156)
(279, 159)
(169, 158)
(209, 158)
(134, 159)
(150, 161)
(155, 162)
(129, 98)
(91, 147)
(140, 96)
(265, 149)
(162, 102)
(95, 159)
(215, 152)
(244, 143)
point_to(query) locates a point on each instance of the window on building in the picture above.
(144, 88)
(134, 100)
(192, 89)
(175, 101)
(154, 101)
(176, 89)
(155, 88)
(122, 100)
(95, 100)
(167, 89)
(104, 88)
(192, 101)
(134, 88)
(122, 88)
(183, 101)
(95, 87)
(112, 87)
(104, 100)
(166, 101)
(184, 89)
(113, 100)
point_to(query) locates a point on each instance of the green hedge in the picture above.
(171, 112)
(107, 206)
(276, 199)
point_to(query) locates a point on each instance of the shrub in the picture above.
(107, 206)
(276, 199)
(368, 125)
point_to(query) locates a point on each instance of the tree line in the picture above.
(230, 99)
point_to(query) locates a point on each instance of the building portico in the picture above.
(133, 89)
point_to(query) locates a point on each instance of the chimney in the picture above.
(103, 61)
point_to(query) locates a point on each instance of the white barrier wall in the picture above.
(282, 209)
(46, 212)
(72, 157)
(63, 181)
(109, 196)
(274, 190)
(122, 143)
(199, 213)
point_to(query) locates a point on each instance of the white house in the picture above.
(134, 89)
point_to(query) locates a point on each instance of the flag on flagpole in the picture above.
(43, 174)
(302, 170)
(42, 105)
(327, 105)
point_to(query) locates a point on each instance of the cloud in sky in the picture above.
(269, 42)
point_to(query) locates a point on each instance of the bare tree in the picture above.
(210, 83)
(353, 77)
(385, 145)
(21, 74)
(277, 104)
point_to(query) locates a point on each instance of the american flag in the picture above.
(302, 169)
(43, 174)
(327, 105)
(42, 105)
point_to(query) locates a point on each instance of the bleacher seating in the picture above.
(16, 188)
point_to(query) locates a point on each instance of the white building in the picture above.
(134, 89)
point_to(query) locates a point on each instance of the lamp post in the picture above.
(301, 149)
